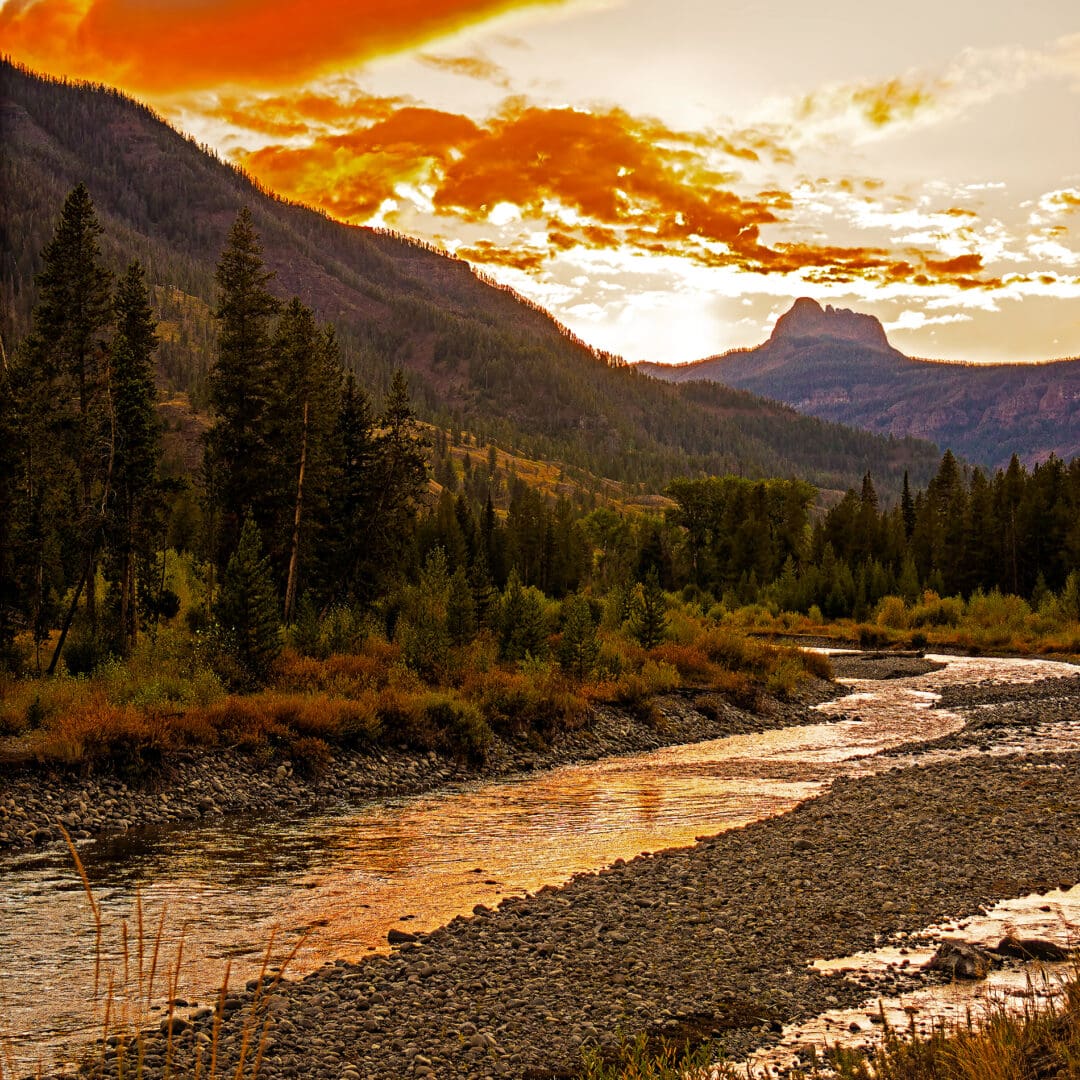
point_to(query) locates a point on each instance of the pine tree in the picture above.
(460, 609)
(907, 508)
(246, 608)
(648, 613)
(305, 379)
(137, 443)
(521, 622)
(9, 461)
(348, 571)
(579, 647)
(61, 389)
(422, 629)
(238, 460)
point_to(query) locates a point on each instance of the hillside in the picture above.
(479, 357)
(838, 365)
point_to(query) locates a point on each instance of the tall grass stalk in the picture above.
(124, 1001)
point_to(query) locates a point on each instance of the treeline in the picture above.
(1016, 532)
(304, 487)
(314, 499)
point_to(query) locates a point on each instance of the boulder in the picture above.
(1045, 952)
(961, 961)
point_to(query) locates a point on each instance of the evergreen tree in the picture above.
(305, 381)
(246, 608)
(907, 508)
(422, 629)
(400, 482)
(9, 461)
(521, 622)
(460, 609)
(238, 461)
(137, 443)
(350, 574)
(648, 612)
(62, 403)
(579, 647)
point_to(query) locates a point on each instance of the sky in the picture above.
(664, 176)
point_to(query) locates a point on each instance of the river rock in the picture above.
(1046, 952)
(961, 960)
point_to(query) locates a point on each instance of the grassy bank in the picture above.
(344, 683)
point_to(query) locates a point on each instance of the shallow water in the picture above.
(345, 877)
(1051, 916)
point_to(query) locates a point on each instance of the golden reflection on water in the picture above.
(348, 876)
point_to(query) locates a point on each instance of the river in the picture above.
(343, 879)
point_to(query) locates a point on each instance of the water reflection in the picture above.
(350, 875)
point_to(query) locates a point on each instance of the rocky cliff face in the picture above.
(807, 318)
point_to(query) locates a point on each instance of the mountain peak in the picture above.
(807, 318)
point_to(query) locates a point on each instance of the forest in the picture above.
(327, 522)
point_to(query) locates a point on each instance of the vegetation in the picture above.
(1040, 1041)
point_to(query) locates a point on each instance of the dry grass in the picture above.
(125, 997)
(1041, 1043)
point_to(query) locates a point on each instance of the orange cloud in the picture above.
(472, 67)
(593, 180)
(170, 45)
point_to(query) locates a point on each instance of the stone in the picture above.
(961, 960)
(1046, 952)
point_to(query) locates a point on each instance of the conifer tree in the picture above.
(521, 621)
(422, 630)
(346, 569)
(9, 461)
(62, 392)
(648, 612)
(460, 609)
(238, 461)
(246, 608)
(305, 379)
(579, 647)
(137, 443)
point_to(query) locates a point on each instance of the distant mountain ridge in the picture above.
(479, 357)
(838, 365)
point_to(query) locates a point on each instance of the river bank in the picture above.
(195, 784)
(709, 940)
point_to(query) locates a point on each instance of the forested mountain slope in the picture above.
(479, 357)
(838, 365)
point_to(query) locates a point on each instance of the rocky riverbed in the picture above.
(712, 940)
(195, 784)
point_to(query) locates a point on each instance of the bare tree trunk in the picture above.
(294, 554)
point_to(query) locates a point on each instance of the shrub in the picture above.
(893, 613)
(311, 756)
(786, 678)
(465, 732)
(817, 664)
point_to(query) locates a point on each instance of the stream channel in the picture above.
(347, 875)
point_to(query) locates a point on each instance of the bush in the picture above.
(465, 732)
(786, 678)
(311, 756)
(893, 613)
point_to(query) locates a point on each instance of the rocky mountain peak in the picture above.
(807, 318)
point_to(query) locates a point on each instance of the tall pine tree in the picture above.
(137, 445)
(60, 396)
(238, 461)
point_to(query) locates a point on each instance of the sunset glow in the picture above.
(665, 178)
